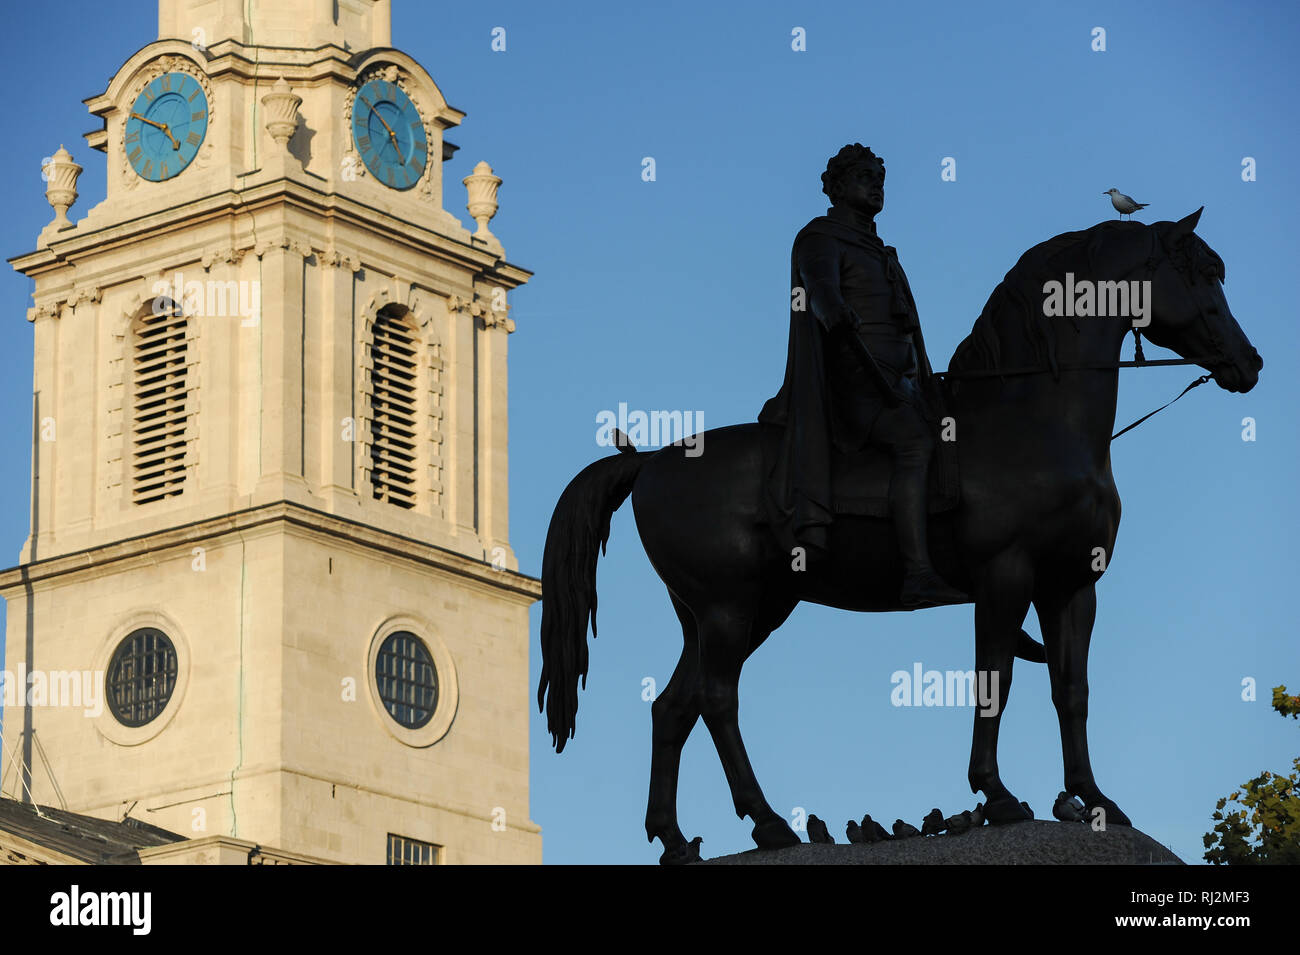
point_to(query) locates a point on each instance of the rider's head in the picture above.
(855, 177)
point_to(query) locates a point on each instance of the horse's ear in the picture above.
(1187, 224)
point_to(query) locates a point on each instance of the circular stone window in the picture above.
(406, 679)
(141, 676)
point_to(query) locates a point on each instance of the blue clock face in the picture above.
(166, 126)
(389, 134)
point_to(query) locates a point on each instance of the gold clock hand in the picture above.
(146, 119)
(163, 126)
(391, 135)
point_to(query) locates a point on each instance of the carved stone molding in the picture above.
(46, 310)
(500, 319)
(130, 309)
(87, 293)
(292, 243)
(481, 308)
(399, 292)
(228, 255)
(475, 307)
(382, 297)
(333, 258)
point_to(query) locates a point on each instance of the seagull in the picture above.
(1124, 205)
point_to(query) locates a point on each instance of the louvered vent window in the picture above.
(158, 408)
(393, 404)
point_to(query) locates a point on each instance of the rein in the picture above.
(1138, 362)
(1139, 359)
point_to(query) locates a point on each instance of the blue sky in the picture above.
(673, 294)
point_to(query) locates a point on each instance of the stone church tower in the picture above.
(269, 592)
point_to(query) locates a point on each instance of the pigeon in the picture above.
(933, 823)
(1068, 808)
(874, 831)
(854, 833)
(959, 823)
(977, 816)
(905, 830)
(1124, 205)
(1025, 806)
(817, 831)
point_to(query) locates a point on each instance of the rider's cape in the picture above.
(797, 499)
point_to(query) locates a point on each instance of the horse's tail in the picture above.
(1027, 648)
(577, 535)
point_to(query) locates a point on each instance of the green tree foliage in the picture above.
(1286, 705)
(1263, 824)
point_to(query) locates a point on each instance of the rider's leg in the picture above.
(906, 434)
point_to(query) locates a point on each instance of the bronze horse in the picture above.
(1033, 402)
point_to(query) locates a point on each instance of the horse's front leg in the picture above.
(1067, 631)
(1001, 602)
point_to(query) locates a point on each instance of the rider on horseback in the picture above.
(855, 376)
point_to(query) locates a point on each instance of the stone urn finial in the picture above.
(482, 186)
(61, 186)
(281, 111)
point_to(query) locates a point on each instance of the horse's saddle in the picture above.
(860, 480)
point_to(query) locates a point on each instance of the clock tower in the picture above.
(268, 592)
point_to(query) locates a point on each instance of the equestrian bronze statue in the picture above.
(1020, 502)
(856, 373)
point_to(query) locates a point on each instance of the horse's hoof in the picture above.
(1006, 809)
(684, 854)
(775, 834)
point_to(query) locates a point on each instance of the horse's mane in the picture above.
(1016, 306)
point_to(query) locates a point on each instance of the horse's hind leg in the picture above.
(1000, 606)
(1067, 632)
(727, 637)
(674, 712)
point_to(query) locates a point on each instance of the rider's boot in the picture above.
(922, 585)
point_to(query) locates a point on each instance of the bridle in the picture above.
(1139, 360)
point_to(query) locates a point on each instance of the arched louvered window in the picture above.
(158, 412)
(394, 374)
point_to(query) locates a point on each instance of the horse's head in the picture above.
(1189, 313)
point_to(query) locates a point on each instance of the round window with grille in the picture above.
(407, 679)
(141, 676)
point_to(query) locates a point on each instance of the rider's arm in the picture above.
(817, 262)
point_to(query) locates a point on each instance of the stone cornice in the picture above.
(265, 517)
(223, 850)
(386, 228)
